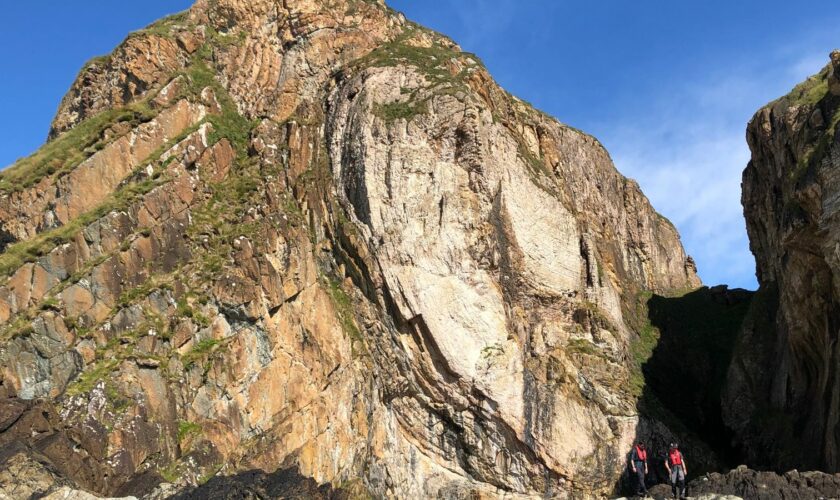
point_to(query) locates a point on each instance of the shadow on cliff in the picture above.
(692, 337)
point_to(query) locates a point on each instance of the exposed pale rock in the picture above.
(365, 260)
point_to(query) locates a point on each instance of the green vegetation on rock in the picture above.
(188, 429)
(199, 351)
(400, 110)
(30, 250)
(433, 58)
(344, 310)
(807, 93)
(164, 27)
(71, 148)
(92, 377)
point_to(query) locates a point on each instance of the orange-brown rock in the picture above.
(332, 245)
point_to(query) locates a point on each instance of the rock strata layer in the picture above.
(315, 238)
(789, 416)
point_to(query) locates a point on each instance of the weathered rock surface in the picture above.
(314, 237)
(789, 416)
(753, 485)
(284, 483)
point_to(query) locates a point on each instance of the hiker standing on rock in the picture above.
(675, 463)
(638, 462)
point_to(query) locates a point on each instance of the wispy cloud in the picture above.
(688, 153)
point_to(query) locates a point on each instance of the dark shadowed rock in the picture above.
(753, 485)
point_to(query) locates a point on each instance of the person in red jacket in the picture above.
(639, 465)
(677, 470)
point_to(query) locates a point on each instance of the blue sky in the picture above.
(668, 86)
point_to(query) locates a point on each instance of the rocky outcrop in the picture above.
(284, 483)
(322, 241)
(788, 417)
(753, 485)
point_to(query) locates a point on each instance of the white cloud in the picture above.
(688, 152)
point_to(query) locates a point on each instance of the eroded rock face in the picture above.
(330, 243)
(788, 417)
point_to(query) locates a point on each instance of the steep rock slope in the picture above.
(788, 416)
(314, 236)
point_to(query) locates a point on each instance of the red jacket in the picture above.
(675, 458)
(639, 455)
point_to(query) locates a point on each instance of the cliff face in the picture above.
(787, 416)
(315, 235)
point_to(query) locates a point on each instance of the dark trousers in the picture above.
(640, 477)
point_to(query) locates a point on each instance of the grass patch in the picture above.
(170, 473)
(50, 304)
(71, 148)
(583, 346)
(400, 110)
(222, 40)
(808, 93)
(201, 350)
(344, 310)
(165, 27)
(434, 62)
(129, 192)
(30, 250)
(229, 124)
(89, 379)
(95, 61)
(641, 350)
(21, 326)
(188, 429)
(132, 295)
(356, 6)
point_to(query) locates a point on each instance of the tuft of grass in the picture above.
(198, 352)
(808, 93)
(170, 474)
(50, 304)
(71, 148)
(583, 346)
(90, 378)
(344, 310)
(22, 252)
(164, 28)
(400, 110)
(21, 326)
(188, 429)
